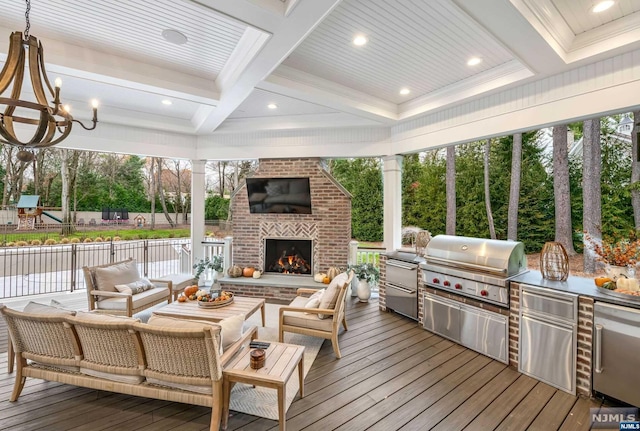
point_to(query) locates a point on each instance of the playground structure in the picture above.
(30, 212)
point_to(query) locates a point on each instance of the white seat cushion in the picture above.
(304, 320)
(139, 300)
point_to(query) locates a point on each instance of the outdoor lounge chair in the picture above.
(298, 319)
(106, 290)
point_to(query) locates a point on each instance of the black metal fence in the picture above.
(34, 270)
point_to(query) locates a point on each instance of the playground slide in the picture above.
(51, 216)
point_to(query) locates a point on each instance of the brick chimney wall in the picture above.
(329, 225)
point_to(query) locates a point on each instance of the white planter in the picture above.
(363, 290)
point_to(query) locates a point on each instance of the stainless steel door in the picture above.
(485, 332)
(547, 352)
(442, 317)
(616, 352)
(548, 336)
(402, 300)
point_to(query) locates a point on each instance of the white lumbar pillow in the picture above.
(314, 300)
(231, 329)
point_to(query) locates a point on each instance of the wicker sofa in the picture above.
(118, 354)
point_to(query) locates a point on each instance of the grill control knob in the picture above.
(484, 293)
(436, 281)
(458, 286)
(447, 283)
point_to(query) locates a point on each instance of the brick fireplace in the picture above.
(327, 229)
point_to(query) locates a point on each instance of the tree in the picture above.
(591, 188)
(160, 188)
(514, 190)
(14, 175)
(635, 171)
(69, 169)
(363, 179)
(564, 232)
(487, 192)
(451, 190)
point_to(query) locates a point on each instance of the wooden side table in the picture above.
(281, 361)
(178, 282)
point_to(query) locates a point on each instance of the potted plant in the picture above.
(215, 263)
(367, 274)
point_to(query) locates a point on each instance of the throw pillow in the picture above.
(122, 273)
(314, 300)
(231, 329)
(135, 287)
(330, 296)
(60, 305)
(36, 308)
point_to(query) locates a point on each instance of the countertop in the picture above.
(404, 256)
(577, 285)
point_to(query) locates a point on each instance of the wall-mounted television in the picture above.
(279, 195)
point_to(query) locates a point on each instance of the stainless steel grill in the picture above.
(473, 267)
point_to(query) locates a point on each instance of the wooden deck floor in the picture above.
(393, 376)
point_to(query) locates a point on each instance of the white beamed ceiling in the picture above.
(541, 60)
(421, 45)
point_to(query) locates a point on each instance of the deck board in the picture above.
(393, 375)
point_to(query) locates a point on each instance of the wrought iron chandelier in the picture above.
(52, 122)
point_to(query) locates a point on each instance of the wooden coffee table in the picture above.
(191, 310)
(280, 362)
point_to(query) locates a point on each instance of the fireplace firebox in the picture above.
(288, 256)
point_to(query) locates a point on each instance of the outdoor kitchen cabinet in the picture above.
(483, 331)
(548, 336)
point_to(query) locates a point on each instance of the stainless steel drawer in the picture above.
(559, 305)
(402, 273)
(402, 300)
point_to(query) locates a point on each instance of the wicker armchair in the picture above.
(298, 319)
(125, 304)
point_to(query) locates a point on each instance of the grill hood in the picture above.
(503, 258)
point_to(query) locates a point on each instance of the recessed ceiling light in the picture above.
(272, 106)
(602, 6)
(360, 40)
(405, 91)
(167, 102)
(474, 61)
(174, 36)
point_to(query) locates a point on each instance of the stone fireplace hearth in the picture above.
(327, 228)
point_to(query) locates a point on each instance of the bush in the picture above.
(64, 241)
(22, 243)
(36, 242)
(11, 244)
(74, 240)
(97, 239)
(117, 238)
(87, 240)
(50, 241)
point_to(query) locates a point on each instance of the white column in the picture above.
(198, 195)
(392, 189)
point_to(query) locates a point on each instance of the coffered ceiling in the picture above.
(240, 56)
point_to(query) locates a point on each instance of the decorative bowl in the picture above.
(213, 301)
